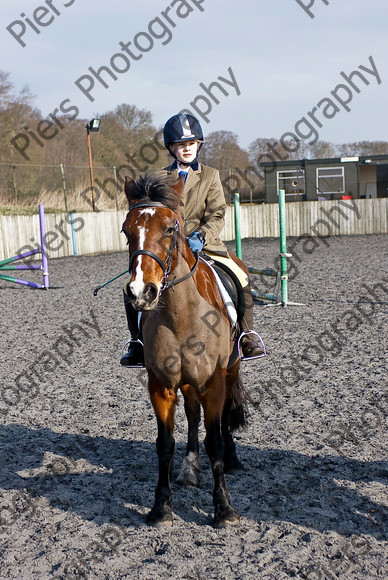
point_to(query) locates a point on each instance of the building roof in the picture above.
(360, 159)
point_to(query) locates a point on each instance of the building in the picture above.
(321, 179)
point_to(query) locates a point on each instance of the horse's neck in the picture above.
(185, 293)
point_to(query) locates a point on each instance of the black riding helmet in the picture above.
(182, 127)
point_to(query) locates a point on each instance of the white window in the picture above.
(330, 180)
(292, 181)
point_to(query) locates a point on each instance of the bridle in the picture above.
(166, 265)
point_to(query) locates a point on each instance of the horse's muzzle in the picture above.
(145, 298)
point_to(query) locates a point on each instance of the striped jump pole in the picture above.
(283, 251)
(236, 203)
(283, 248)
(9, 263)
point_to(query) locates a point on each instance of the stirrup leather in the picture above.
(240, 353)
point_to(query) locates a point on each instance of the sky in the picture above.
(277, 62)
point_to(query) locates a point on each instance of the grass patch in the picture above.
(22, 210)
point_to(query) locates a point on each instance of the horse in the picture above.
(189, 344)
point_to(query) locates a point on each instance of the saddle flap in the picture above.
(228, 283)
(230, 288)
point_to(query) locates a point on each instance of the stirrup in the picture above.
(240, 353)
(124, 351)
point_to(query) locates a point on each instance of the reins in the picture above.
(95, 291)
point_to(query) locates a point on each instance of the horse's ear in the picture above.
(179, 185)
(127, 187)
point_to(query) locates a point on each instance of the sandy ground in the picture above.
(78, 459)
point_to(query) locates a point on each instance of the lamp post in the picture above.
(92, 127)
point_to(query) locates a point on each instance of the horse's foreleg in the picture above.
(190, 471)
(213, 402)
(163, 401)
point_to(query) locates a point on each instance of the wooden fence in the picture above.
(96, 233)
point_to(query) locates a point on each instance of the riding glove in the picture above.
(196, 241)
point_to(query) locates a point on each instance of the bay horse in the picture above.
(188, 343)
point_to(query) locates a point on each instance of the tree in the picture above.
(363, 148)
(222, 151)
(322, 150)
(128, 128)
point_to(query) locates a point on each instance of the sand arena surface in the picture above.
(77, 437)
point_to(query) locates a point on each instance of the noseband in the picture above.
(167, 263)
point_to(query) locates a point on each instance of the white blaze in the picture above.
(137, 286)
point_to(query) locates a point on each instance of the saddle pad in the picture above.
(228, 303)
(238, 272)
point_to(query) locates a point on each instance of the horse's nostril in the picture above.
(150, 292)
(129, 292)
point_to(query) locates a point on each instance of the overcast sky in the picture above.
(284, 62)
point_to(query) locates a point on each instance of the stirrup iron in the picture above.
(124, 351)
(240, 353)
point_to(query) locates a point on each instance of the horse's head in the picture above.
(153, 230)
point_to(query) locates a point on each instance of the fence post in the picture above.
(116, 188)
(64, 186)
(42, 223)
(74, 240)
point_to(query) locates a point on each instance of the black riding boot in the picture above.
(250, 346)
(135, 355)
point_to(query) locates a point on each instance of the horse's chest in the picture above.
(180, 358)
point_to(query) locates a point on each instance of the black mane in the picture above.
(154, 187)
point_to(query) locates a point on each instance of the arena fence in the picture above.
(95, 233)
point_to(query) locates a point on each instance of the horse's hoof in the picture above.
(159, 518)
(190, 473)
(232, 467)
(189, 476)
(226, 517)
(188, 479)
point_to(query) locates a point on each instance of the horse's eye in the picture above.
(170, 231)
(125, 234)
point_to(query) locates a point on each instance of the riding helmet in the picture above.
(182, 127)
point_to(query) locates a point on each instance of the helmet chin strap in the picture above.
(190, 163)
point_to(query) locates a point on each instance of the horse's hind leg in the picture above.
(232, 464)
(213, 402)
(163, 401)
(233, 417)
(190, 471)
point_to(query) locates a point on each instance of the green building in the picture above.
(320, 179)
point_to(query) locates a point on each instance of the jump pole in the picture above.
(283, 248)
(236, 203)
(8, 264)
(283, 275)
(262, 272)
